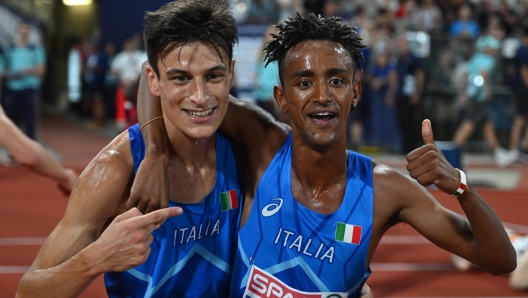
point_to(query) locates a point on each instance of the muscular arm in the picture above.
(70, 259)
(480, 238)
(32, 155)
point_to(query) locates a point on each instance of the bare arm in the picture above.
(33, 156)
(74, 254)
(480, 238)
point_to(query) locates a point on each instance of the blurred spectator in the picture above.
(495, 27)
(94, 75)
(464, 25)
(363, 24)
(404, 16)
(520, 90)
(428, 17)
(332, 8)
(507, 17)
(411, 82)
(262, 12)
(475, 95)
(289, 8)
(384, 85)
(315, 6)
(126, 68)
(74, 76)
(358, 119)
(26, 64)
(266, 78)
(110, 81)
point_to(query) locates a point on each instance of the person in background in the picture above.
(383, 81)
(126, 68)
(464, 25)
(267, 78)
(520, 91)
(475, 94)
(411, 79)
(25, 66)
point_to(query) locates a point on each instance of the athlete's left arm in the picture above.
(480, 238)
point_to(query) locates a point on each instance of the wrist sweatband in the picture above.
(462, 186)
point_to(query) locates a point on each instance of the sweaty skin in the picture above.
(319, 88)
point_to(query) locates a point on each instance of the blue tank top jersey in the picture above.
(192, 254)
(288, 250)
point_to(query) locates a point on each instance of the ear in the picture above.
(232, 73)
(356, 91)
(282, 102)
(153, 81)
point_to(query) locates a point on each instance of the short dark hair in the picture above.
(185, 21)
(298, 29)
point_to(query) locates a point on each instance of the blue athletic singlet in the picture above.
(288, 250)
(192, 254)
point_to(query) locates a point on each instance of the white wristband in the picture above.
(462, 186)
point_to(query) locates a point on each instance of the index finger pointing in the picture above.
(427, 132)
(159, 216)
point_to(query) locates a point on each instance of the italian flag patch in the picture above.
(228, 199)
(348, 233)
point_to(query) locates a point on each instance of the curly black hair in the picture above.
(311, 27)
(185, 21)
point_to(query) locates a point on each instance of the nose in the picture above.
(200, 92)
(322, 93)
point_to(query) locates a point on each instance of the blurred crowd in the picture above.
(473, 51)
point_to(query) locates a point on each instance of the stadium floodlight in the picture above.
(76, 2)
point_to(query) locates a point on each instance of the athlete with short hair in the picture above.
(317, 211)
(189, 45)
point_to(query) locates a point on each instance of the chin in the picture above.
(201, 133)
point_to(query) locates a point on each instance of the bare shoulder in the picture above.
(392, 188)
(395, 191)
(104, 183)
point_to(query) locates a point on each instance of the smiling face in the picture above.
(194, 87)
(318, 91)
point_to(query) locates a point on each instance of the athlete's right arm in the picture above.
(76, 252)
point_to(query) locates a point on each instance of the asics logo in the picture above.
(272, 208)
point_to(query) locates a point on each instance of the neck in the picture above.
(192, 153)
(317, 168)
(23, 42)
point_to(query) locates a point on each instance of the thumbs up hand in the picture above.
(428, 165)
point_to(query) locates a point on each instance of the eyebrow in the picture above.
(302, 73)
(335, 71)
(331, 71)
(173, 71)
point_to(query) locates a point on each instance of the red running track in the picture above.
(405, 264)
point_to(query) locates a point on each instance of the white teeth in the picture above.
(200, 113)
(323, 114)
